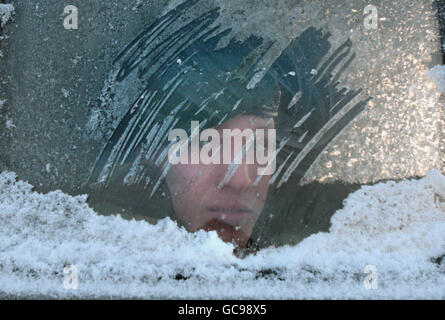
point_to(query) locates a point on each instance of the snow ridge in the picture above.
(397, 227)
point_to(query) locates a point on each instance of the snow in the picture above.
(9, 124)
(65, 93)
(6, 13)
(437, 74)
(395, 226)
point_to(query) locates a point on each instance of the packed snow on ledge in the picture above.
(396, 227)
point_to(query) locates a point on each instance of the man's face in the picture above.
(206, 196)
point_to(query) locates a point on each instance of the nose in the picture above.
(237, 177)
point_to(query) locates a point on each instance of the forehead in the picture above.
(247, 121)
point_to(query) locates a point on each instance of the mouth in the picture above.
(233, 214)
